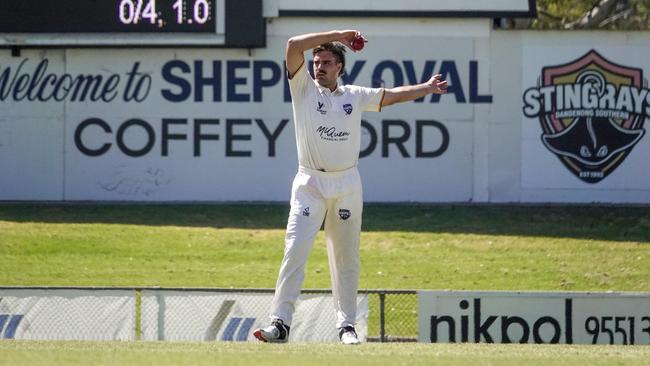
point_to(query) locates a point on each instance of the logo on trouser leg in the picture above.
(344, 214)
(305, 212)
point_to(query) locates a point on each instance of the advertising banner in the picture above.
(209, 316)
(528, 317)
(584, 115)
(207, 124)
(67, 314)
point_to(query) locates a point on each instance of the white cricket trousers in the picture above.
(336, 198)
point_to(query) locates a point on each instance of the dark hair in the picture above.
(338, 50)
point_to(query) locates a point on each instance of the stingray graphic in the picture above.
(592, 141)
(595, 142)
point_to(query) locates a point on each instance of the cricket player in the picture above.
(327, 187)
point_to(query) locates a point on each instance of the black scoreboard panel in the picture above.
(107, 16)
(124, 23)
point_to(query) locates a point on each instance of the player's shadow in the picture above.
(587, 222)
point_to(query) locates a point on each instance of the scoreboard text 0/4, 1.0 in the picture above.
(188, 12)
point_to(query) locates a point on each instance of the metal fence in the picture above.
(189, 314)
(392, 316)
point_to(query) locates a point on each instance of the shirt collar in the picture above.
(324, 90)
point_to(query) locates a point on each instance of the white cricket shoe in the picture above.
(277, 332)
(348, 335)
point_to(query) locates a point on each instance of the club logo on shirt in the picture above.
(332, 134)
(320, 108)
(344, 214)
(347, 108)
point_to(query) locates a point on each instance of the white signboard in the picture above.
(461, 8)
(518, 317)
(208, 124)
(67, 314)
(210, 316)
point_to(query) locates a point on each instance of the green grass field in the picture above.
(576, 248)
(420, 247)
(37, 353)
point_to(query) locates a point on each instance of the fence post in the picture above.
(382, 320)
(138, 314)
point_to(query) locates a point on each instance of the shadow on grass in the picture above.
(586, 222)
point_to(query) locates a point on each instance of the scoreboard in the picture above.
(120, 16)
(123, 22)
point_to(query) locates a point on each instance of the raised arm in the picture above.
(412, 92)
(297, 45)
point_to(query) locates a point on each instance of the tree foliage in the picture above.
(589, 14)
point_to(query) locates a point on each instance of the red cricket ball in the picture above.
(358, 43)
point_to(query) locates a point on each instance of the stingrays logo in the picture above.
(591, 112)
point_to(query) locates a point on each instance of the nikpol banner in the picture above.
(534, 317)
(67, 314)
(207, 124)
(207, 316)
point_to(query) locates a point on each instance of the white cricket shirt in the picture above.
(328, 124)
